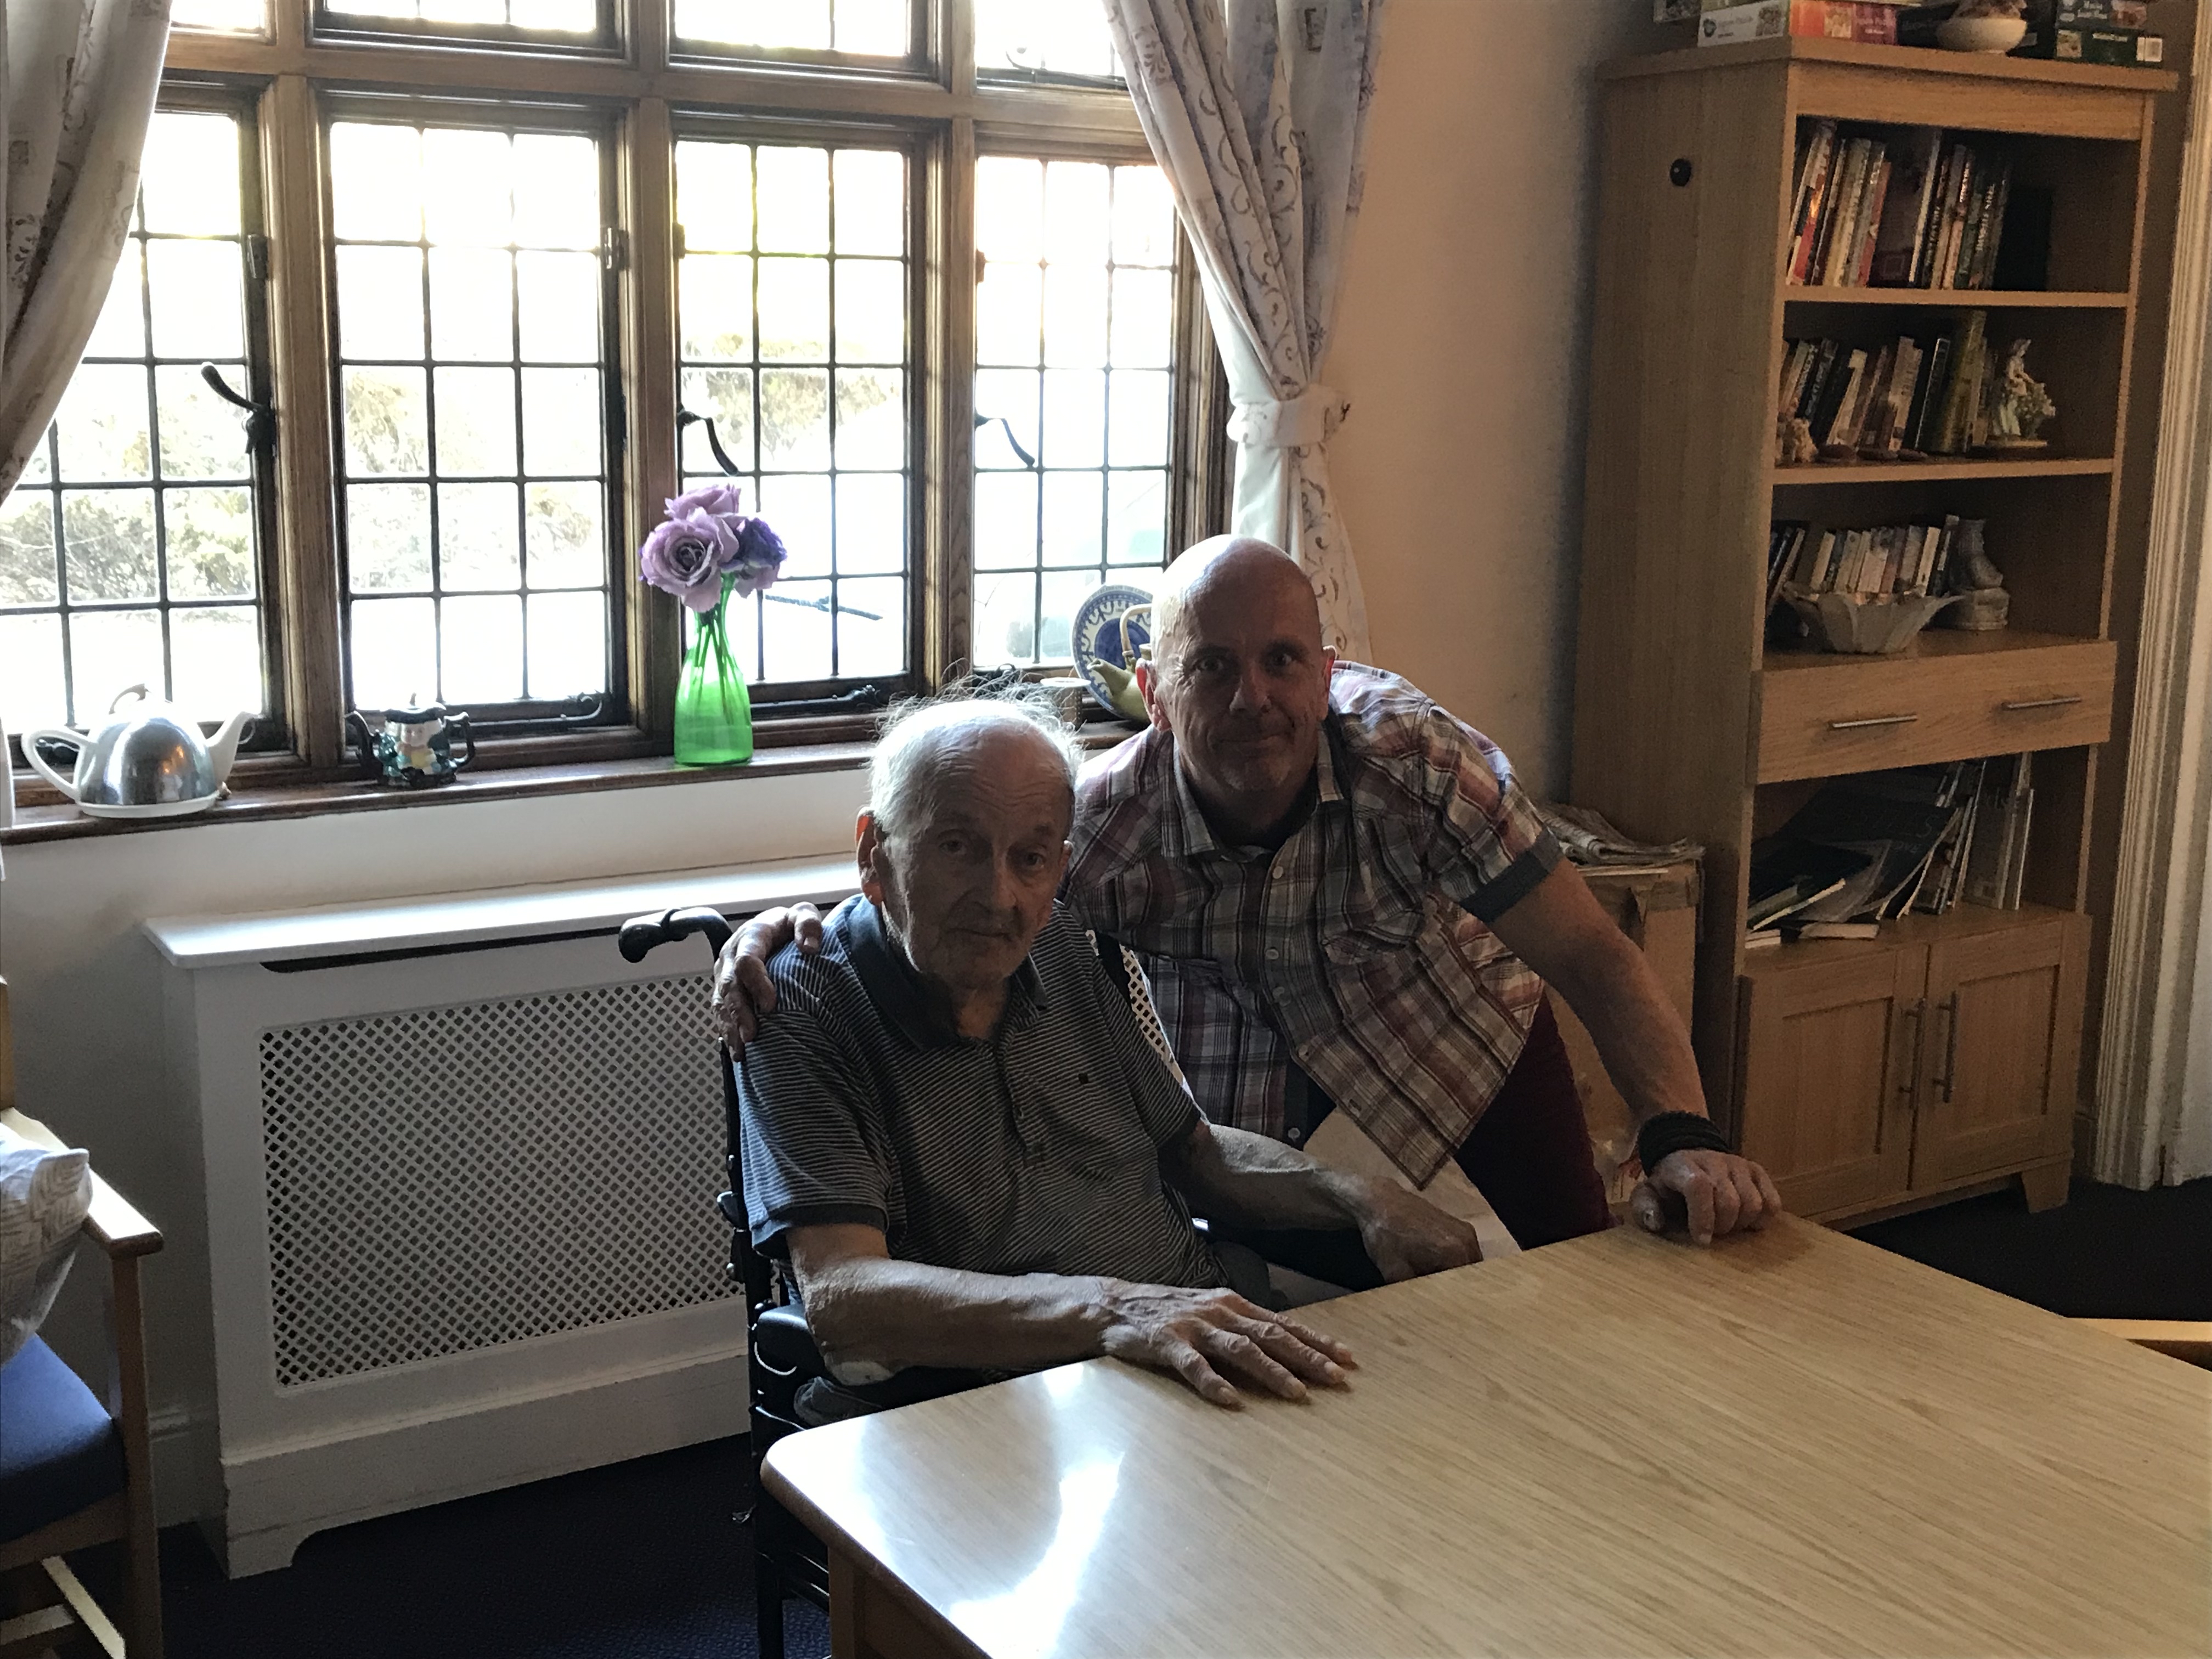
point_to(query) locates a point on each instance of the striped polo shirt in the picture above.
(1035, 1150)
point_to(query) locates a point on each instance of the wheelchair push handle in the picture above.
(641, 935)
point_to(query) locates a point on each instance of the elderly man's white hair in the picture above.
(916, 733)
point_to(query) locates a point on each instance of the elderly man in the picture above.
(1345, 900)
(959, 1139)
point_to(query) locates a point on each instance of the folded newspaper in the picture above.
(1593, 843)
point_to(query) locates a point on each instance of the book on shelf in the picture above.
(1897, 560)
(1906, 400)
(1876, 845)
(1871, 21)
(1905, 210)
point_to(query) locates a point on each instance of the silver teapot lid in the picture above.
(151, 756)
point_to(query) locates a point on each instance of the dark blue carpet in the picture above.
(641, 1560)
(2106, 1253)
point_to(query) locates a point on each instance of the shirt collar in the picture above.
(1187, 824)
(896, 990)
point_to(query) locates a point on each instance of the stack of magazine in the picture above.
(1879, 845)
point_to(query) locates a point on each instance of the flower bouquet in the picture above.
(706, 552)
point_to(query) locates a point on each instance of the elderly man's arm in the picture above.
(1250, 1181)
(867, 1310)
(1559, 929)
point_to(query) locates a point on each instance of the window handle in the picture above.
(1872, 720)
(2026, 703)
(684, 418)
(260, 419)
(1013, 443)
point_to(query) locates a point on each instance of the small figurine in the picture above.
(1798, 449)
(1984, 603)
(2019, 404)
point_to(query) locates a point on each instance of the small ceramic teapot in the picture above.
(149, 763)
(412, 747)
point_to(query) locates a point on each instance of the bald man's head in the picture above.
(1239, 679)
(1243, 571)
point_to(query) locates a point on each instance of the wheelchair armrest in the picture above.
(785, 1345)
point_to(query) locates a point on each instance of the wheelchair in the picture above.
(780, 1355)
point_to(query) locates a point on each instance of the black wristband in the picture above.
(1676, 1132)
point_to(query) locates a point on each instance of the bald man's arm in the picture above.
(1559, 929)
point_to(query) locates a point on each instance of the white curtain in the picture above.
(78, 78)
(1257, 111)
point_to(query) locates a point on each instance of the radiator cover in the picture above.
(454, 1178)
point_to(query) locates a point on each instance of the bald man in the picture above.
(1345, 901)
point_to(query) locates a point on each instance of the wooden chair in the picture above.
(79, 1469)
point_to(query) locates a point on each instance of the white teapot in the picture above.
(150, 763)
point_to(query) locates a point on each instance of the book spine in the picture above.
(1902, 380)
(1965, 385)
(1935, 384)
(1905, 211)
(1815, 579)
(1816, 381)
(1993, 241)
(1828, 424)
(1870, 419)
(1870, 224)
(1805, 217)
(1837, 210)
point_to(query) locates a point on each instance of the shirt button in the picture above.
(1274, 956)
(1297, 1135)
(1279, 873)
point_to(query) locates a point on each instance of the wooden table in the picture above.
(1793, 1443)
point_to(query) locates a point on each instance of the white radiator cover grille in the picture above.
(460, 1177)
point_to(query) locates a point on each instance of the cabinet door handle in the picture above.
(1872, 720)
(2026, 703)
(1949, 1008)
(1916, 1011)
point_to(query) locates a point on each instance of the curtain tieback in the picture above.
(1300, 422)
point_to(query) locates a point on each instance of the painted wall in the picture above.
(1460, 341)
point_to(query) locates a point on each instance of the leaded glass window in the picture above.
(1074, 345)
(792, 325)
(472, 370)
(130, 549)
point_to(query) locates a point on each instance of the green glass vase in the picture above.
(713, 712)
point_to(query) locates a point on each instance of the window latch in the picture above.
(1013, 443)
(260, 419)
(684, 418)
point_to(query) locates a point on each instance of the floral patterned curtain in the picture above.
(1257, 111)
(77, 83)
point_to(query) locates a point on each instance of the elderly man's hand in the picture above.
(1214, 1339)
(1406, 1236)
(744, 994)
(1709, 1192)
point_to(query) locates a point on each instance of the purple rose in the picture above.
(722, 500)
(760, 556)
(686, 557)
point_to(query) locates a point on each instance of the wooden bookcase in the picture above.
(1944, 1055)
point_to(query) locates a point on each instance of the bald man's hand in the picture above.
(744, 994)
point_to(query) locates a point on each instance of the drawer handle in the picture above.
(2026, 703)
(1872, 720)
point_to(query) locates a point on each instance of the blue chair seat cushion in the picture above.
(59, 1450)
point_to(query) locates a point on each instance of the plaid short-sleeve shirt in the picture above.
(1359, 947)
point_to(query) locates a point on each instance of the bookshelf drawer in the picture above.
(1957, 696)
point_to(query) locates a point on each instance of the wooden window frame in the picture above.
(288, 79)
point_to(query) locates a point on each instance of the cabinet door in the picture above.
(1825, 1087)
(2003, 1046)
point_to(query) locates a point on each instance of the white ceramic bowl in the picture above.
(1981, 34)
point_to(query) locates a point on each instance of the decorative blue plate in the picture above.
(1097, 635)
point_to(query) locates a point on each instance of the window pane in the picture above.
(478, 482)
(867, 28)
(1043, 37)
(1071, 454)
(794, 323)
(130, 550)
(541, 16)
(243, 16)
